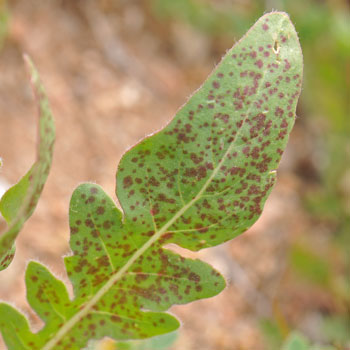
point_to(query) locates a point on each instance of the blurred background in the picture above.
(117, 70)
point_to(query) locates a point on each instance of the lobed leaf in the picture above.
(199, 182)
(19, 202)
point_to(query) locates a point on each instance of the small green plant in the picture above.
(199, 182)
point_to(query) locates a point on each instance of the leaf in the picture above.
(199, 182)
(296, 341)
(19, 202)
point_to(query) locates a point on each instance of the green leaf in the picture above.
(199, 182)
(19, 202)
(296, 341)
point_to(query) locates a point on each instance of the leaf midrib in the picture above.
(105, 288)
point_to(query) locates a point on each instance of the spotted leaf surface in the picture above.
(199, 182)
(19, 202)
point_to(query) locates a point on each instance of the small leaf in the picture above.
(19, 202)
(296, 342)
(199, 182)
